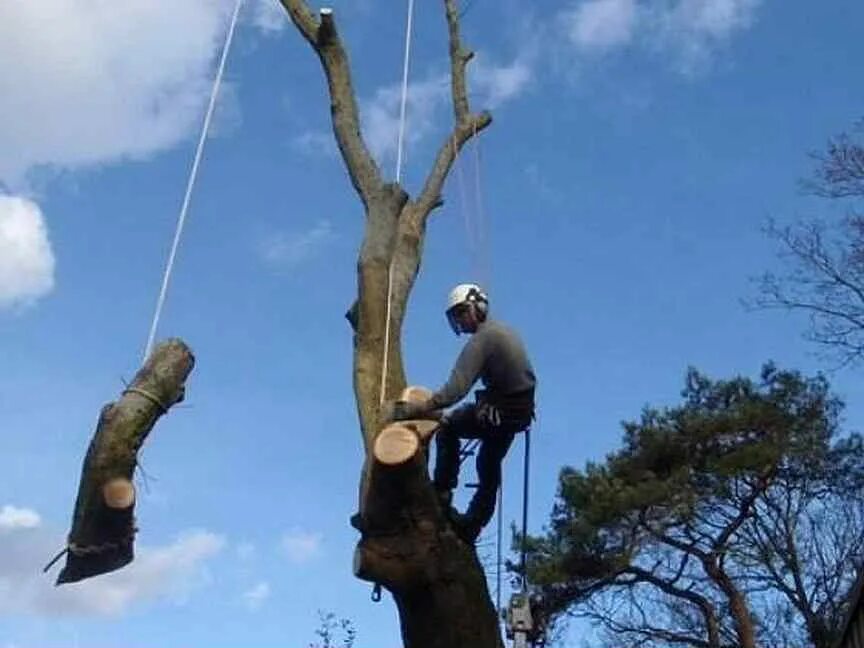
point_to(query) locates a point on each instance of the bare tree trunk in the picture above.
(408, 547)
(407, 543)
(103, 525)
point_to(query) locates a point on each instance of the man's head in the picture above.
(467, 307)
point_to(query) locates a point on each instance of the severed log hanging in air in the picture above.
(103, 526)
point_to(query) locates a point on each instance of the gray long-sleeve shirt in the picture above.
(495, 353)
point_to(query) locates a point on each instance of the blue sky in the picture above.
(637, 149)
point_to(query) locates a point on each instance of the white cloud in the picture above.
(490, 85)
(694, 29)
(26, 259)
(284, 251)
(716, 18)
(301, 546)
(601, 24)
(269, 16)
(227, 116)
(13, 518)
(381, 114)
(497, 84)
(170, 572)
(97, 81)
(255, 597)
(316, 143)
(428, 107)
(687, 30)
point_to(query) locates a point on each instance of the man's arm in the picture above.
(465, 373)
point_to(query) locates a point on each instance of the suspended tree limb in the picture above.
(324, 39)
(103, 526)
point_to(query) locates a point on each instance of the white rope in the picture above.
(482, 221)
(476, 229)
(404, 104)
(193, 174)
(400, 142)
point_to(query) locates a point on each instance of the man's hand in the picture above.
(407, 410)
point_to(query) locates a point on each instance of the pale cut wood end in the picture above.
(396, 444)
(119, 493)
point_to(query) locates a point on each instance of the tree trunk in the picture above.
(407, 543)
(409, 548)
(103, 526)
(738, 607)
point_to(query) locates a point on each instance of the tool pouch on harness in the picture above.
(512, 412)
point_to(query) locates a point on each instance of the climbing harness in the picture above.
(190, 184)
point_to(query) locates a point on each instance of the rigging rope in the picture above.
(525, 509)
(485, 270)
(400, 142)
(193, 174)
(498, 556)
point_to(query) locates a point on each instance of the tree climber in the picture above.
(494, 353)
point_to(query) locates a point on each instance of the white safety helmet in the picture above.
(464, 295)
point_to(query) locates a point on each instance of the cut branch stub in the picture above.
(103, 525)
(424, 427)
(396, 444)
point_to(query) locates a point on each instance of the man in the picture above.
(495, 354)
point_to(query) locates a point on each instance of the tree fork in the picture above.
(103, 526)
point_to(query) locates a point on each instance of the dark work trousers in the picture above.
(471, 421)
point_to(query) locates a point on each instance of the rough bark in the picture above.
(409, 548)
(103, 525)
(407, 545)
(738, 608)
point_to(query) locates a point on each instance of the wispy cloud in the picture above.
(381, 114)
(694, 29)
(171, 572)
(255, 597)
(13, 518)
(316, 143)
(269, 16)
(227, 115)
(491, 84)
(301, 546)
(285, 251)
(601, 25)
(495, 84)
(688, 31)
(26, 258)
